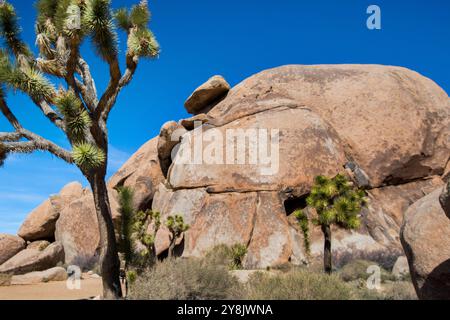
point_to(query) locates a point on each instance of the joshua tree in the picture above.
(444, 198)
(75, 108)
(177, 227)
(337, 202)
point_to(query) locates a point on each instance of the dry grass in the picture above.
(297, 285)
(184, 279)
(5, 279)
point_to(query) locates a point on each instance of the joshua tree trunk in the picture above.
(444, 199)
(171, 248)
(109, 259)
(327, 249)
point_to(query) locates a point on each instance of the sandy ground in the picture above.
(52, 291)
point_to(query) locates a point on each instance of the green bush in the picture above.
(230, 257)
(297, 285)
(185, 279)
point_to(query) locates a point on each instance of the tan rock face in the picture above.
(142, 173)
(77, 229)
(169, 136)
(40, 223)
(30, 260)
(9, 246)
(394, 122)
(425, 238)
(388, 126)
(207, 95)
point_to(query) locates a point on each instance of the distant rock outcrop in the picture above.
(426, 239)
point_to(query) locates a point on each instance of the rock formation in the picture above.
(388, 128)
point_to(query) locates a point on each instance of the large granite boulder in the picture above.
(40, 223)
(9, 246)
(425, 237)
(30, 260)
(77, 229)
(387, 127)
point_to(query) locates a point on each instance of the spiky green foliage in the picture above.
(238, 252)
(88, 156)
(10, 30)
(303, 222)
(336, 201)
(140, 234)
(126, 212)
(26, 79)
(123, 19)
(176, 226)
(140, 15)
(141, 41)
(97, 20)
(143, 44)
(76, 118)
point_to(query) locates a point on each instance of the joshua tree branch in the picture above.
(87, 88)
(115, 76)
(38, 143)
(132, 62)
(10, 136)
(50, 113)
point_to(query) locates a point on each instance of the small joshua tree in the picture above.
(336, 202)
(177, 227)
(75, 108)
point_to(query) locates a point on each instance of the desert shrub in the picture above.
(383, 258)
(5, 279)
(230, 257)
(185, 279)
(399, 290)
(297, 285)
(357, 269)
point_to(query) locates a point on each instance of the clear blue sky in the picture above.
(234, 38)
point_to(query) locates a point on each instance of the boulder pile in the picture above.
(387, 128)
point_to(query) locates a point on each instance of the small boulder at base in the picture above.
(53, 274)
(208, 94)
(30, 260)
(401, 268)
(9, 246)
(425, 236)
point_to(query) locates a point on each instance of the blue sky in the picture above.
(234, 38)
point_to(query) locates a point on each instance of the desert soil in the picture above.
(52, 291)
